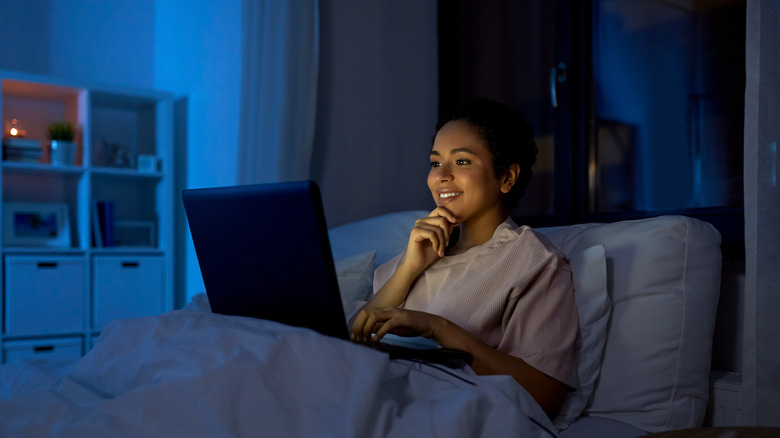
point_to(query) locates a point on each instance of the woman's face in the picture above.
(462, 178)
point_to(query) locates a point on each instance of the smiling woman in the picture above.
(462, 180)
(483, 137)
(458, 281)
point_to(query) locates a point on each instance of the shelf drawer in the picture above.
(126, 287)
(64, 348)
(44, 295)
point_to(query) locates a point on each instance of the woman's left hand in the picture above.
(399, 321)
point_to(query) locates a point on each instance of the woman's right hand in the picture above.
(429, 238)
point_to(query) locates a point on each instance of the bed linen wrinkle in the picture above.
(21, 377)
(193, 373)
(155, 355)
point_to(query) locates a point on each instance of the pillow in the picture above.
(589, 273)
(663, 280)
(355, 276)
(386, 234)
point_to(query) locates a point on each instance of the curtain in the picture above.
(761, 355)
(279, 90)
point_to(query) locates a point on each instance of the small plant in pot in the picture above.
(62, 148)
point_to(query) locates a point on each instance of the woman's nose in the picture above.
(444, 174)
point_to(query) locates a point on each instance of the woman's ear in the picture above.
(510, 178)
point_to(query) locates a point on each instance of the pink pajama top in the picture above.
(514, 292)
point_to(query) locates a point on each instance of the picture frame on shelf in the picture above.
(118, 154)
(148, 163)
(36, 224)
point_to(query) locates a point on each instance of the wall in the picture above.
(108, 42)
(96, 41)
(378, 105)
(761, 377)
(24, 35)
(197, 56)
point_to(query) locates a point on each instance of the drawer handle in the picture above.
(43, 348)
(129, 264)
(47, 265)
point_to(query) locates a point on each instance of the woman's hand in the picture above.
(429, 238)
(427, 242)
(399, 321)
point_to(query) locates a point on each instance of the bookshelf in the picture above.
(62, 282)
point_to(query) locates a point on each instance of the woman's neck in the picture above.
(477, 231)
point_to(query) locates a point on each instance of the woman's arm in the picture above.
(392, 294)
(427, 242)
(548, 392)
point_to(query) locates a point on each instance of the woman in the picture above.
(470, 278)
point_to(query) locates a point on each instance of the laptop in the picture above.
(264, 252)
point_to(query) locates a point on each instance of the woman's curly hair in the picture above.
(509, 138)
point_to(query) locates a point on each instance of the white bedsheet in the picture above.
(193, 373)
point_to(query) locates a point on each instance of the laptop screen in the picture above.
(263, 252)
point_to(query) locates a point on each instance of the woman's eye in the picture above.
(435, 164)
(462, 162)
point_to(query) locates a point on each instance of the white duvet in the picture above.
(196, 374)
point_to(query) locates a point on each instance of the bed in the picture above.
(646, 292)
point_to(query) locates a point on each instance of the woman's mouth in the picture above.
(449, 196)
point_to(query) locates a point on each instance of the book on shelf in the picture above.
(23, 158)
(24, 150)
(97, 230)
(21, 143)
(103, 223)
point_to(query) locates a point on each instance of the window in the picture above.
(637, 105)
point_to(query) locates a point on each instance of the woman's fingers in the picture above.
(381, 321)
(446, 220)
(368, 322)
(444, 213)
(364, 322)
(368, 328)
(436, 229)
(429, 238)
(386, 328)
(357, 325)
(434, 233)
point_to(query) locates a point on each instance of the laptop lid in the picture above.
(264, 252)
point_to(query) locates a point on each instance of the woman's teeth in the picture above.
(449, 195)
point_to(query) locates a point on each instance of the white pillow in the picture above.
(664, 281)
(589, 273)
(386, 234)
(355, 276)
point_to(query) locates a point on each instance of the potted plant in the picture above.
(62, 148)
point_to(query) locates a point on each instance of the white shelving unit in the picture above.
(59, 290)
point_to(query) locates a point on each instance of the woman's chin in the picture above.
(449, 207)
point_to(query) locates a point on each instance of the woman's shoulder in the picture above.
(531, 240)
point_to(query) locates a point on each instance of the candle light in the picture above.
(13, 128)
